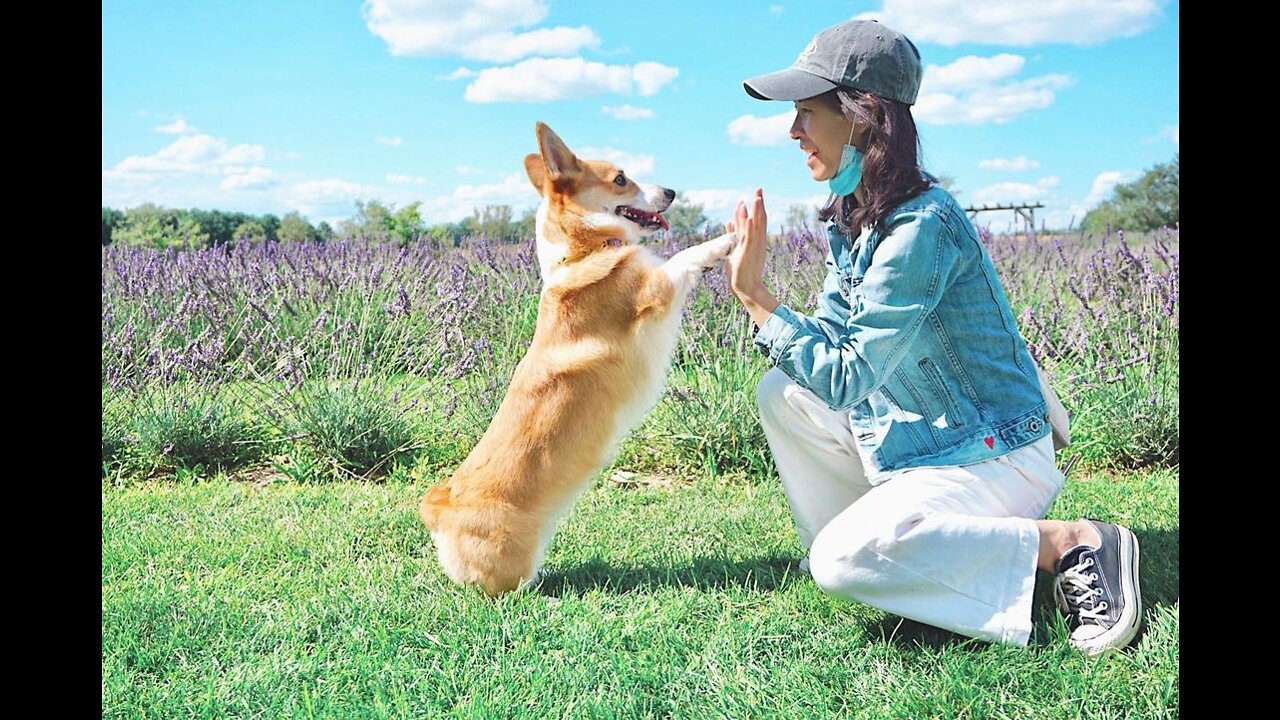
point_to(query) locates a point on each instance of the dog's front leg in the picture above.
(685, 266)
(670, 282)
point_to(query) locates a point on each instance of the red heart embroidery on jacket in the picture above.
(990, 441)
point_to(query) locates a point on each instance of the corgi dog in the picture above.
(608, 321)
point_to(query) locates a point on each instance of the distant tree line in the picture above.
(1148, 203)
(158, 227)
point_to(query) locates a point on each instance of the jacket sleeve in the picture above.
(911, 266)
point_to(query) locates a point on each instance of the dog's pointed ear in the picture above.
(536, 170)
(559, 159)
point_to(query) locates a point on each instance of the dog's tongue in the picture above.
(662, 220)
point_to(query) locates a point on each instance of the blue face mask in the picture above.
(849, 175)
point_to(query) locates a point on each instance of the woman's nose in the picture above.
(795, 128)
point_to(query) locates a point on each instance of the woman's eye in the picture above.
(620, 181)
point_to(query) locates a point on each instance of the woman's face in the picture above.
(822, 133)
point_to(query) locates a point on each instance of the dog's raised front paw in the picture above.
(718, 249)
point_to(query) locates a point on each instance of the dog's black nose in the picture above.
(671, 194)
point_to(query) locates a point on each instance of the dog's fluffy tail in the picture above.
(436, 499)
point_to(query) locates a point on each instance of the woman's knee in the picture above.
(836, 560)
(771, 393)
(847, 555)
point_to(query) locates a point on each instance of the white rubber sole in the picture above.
(1121, 634)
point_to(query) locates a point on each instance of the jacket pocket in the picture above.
(934, 376)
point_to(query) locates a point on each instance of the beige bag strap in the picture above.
(1058, 418)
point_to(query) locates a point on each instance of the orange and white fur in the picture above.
(608, 321)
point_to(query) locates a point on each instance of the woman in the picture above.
(905, 416)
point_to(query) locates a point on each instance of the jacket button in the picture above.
(1033, 425)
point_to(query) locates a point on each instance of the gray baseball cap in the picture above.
(861, 54)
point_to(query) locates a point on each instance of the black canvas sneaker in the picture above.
(1097, 589)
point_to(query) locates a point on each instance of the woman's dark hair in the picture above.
(891, 171)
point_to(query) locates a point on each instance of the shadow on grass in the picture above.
(757, 574)
(1158, 578)
(1158, 571)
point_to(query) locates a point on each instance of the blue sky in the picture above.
(311, 105)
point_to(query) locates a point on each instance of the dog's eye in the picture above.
(621, 180)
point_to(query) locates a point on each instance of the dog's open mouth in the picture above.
(644, 219)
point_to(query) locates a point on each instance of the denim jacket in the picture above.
(914, 337)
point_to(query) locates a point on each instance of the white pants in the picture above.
(953, 547)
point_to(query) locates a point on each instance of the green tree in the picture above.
(111, 218)
(146, 226)
(324, 232)
(372, 221)
(295, 228)
(220, 225)
(1148, 203)
(685, 218)
(189, 235)
(527, 227)
(271, 226)
(250, 231)
(150, 225)
(493, 221)
(406, 225)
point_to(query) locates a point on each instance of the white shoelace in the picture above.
(1075, 578)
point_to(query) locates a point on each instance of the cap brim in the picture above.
(789, 84)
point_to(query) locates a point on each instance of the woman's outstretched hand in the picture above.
(745, 265)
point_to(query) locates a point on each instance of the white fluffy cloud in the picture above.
(627, 112)
(1006, 22)
(179, 126)
(974, 90)
(548, 79)
(1009, 164)
(391, 141)
(971, 73)
(402, 179)
(475, 29)
(193, 154)
(635, 166)
(328, 189)
(1104, 183)
(250, 178)
(1015, 192)
(770, 130)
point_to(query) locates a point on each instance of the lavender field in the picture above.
(301, 372)
(350, 359)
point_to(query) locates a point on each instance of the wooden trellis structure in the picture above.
(1026, 212)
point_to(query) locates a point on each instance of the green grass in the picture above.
(228, 599)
